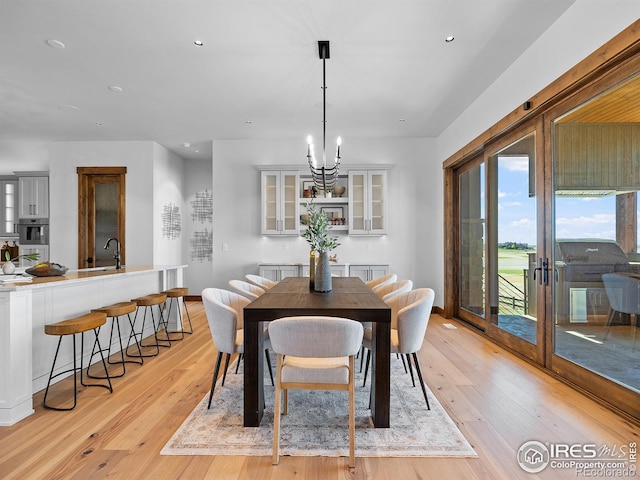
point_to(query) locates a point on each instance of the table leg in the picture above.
(380, 374)
(253, 373)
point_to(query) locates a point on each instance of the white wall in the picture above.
(198, 178)
(63, 196)
(23, 156)
(414, 208)
(168, 191)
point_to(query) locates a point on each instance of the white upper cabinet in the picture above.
(367, 202)
(280, 202)
(34, 197)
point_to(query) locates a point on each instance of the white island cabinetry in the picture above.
(26, 353)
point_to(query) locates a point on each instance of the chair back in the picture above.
(410, 314)
(225, 315)
(315, 336)
(623, 290)
(387, 292)
(383, 280)
(246, 289)
(259, 281)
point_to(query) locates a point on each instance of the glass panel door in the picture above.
(472, 235)
(596, 159)
(513, 238)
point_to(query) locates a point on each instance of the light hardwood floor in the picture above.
(497, 400)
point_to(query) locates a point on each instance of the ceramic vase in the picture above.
(8, 268)
(323, 273)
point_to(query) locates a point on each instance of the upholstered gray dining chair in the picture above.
(224, 310)
(390, 290)
(410, 314)
(314, 353)
(623, 291)
(383, 280)
(259, 281)
(246, 289)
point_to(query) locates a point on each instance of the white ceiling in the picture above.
(259, 63)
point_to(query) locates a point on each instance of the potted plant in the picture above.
(9, 267)
(321, 243)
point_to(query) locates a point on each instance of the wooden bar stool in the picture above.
(173, 296)
(90, 321)
(147, 303)
(114, 312)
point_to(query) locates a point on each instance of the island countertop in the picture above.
(81, 275)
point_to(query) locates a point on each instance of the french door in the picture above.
(504, 267)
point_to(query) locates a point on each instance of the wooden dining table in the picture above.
(349, 298)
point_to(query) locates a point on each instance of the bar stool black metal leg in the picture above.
(114, 320)
(139, 343)
(52, 376)
(104, 363)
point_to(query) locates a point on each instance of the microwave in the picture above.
(33, 231)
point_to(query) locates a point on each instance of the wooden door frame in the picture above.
(86, 212)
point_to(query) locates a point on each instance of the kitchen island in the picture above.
(26, 353)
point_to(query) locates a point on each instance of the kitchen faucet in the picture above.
(117, 254)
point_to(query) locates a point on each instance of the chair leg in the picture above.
(352, 414)
(140, 344)
(361, 353)
(216, 370)
(226, 366)
(109, 387)
(404, 364)
(419, 370)
(366, 367)
(413, 382)
(51, 376)
(240, 357)
(276, 416)
(266, 354)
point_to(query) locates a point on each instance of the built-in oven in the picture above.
(33, 231)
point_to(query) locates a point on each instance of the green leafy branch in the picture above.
(317, 232)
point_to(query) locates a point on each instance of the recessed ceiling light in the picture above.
(401, 120)
(115, 88)
(198, 43)
(248, 122)
(449, 39)
(68, 108)
(186, 145)
(55, 43)
(197, 151)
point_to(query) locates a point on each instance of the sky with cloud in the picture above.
(576, 217)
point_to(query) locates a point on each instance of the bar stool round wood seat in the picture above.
(173, 296)
(114, 312)
(147, 302)
(73, 326)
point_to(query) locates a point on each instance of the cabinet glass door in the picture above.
(358, 194)
(290, 203)
(377, 190)
(270, 202)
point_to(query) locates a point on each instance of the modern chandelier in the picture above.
(324, 175)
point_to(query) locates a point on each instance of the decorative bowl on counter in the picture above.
(47, 269)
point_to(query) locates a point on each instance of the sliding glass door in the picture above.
(596, 161)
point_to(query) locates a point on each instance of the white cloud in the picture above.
(523, 222)
(515, 164)
(582, 221)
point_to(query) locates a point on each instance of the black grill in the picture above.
(580, 293)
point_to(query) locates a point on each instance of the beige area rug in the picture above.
(317, 424)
